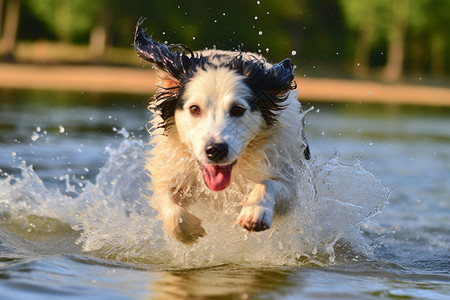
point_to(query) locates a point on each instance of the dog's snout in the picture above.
(216, 152)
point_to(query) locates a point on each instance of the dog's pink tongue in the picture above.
(216, 177)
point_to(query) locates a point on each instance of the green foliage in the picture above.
(325, 32)
(69, 20)
(366, 13)
(428, 15)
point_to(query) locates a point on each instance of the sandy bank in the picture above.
(143, 81)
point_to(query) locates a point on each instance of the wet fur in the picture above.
(266, 141)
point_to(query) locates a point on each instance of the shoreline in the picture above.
(142, 80)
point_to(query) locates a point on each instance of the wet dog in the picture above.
(222, 118)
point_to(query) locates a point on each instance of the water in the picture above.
(75, 219)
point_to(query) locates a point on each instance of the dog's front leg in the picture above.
(257, 212)
(179, 223)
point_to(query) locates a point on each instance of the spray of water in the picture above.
(113, 216)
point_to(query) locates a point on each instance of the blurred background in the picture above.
(384, 40)
(373, 74)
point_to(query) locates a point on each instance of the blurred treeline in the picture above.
(383, 39)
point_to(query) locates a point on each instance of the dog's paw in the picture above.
(254, 217)
(184, 226)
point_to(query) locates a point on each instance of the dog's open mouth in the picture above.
(217, 177)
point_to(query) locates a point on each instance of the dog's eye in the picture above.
(195, 110)
(237, 111)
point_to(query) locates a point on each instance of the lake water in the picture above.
(75, 221)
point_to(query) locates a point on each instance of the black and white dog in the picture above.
(223, 121)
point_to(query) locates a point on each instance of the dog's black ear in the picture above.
(176, 65)
(276, 80)
(279, 78)
(269, 85)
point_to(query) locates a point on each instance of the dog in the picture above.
(222, 118)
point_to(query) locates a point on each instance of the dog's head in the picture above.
(217, 101)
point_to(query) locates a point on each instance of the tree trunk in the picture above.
(8, 39)
(362, 52)
(97, 41)
(394, 67)
(99, 35)
(1, 17)
(437, 59)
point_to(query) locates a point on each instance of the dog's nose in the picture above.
(217, 152)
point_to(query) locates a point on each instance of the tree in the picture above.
(1, 16)
(368, 19)
(429, 21)
(8, 38)
(396, 47)
(73, 20)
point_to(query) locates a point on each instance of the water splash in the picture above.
(114, 218)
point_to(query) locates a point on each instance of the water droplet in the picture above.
(256, 17)
(358, 64)
(61, 129)
(323, 132)
(267, 49)
(318, 110)
(260, 32)
(38, 129)
(34, 136)
(180, 220)
(370, 143)
(280, 245)
(294, 52)
(258, 2)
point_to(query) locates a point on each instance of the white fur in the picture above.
(215, 91)
(262, 156)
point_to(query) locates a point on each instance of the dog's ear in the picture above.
(174, 66)
(270, 86)
(279, 79)
(276, 80)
